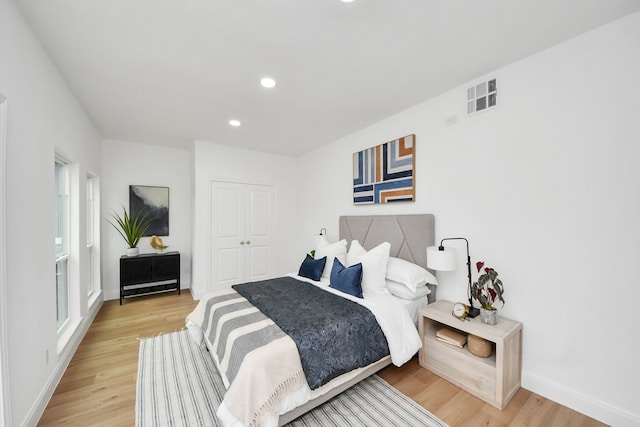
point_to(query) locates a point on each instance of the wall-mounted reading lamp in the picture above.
(317, 237)
(444, 259)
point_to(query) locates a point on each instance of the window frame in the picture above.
(93, 237)
(90, 233)
(62, 253)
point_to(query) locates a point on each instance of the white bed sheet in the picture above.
(413, 307)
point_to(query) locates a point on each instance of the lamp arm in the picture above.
(469, 275)
(473, 311)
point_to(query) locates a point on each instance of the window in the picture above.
(93, 235)
(90, 232)
(62, 242)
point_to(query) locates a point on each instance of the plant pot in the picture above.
(133, 251)
(488, 316)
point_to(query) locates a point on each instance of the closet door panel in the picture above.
(260, 232)
(228, 229)
(242, 233)
(258, 265)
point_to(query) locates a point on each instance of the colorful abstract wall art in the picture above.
(385, 173)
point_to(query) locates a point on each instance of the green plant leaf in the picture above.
(488, 289)
(131, 227)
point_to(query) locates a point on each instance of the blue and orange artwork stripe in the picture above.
(385, 173)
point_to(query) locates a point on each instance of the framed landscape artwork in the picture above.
(385, 173)
(155, 202)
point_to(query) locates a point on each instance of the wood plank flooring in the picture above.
(99, 386)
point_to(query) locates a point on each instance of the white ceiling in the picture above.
(168, 72)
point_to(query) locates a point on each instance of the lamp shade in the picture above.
(441, 259)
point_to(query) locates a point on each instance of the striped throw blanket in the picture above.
(242, 336)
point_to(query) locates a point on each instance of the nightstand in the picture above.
(494, 379)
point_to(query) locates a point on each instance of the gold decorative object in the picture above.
(156, 243)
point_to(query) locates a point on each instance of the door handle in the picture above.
(242, 242)
(248, 242)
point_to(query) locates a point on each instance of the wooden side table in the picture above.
(494, 379)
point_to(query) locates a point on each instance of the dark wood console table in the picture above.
(149, 274)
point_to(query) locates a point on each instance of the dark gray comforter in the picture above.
(333, 335)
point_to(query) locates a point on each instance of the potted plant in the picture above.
(488, 289)
(131, 228)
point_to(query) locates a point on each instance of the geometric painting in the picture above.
(385, 173)
(155, 202)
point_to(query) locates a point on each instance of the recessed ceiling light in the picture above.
(268, 82)
(234, 123)
(346, 1)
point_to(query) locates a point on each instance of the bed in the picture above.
(272, 383)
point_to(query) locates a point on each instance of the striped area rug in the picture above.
(178, 385)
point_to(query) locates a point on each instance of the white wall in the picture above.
(224, 163)
(4, 357)
(540, 187)
(128, 163)
(545, 187)
(42, 116)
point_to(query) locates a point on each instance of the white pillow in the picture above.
(401, 291)
(355, 250)
(374, 266)
(331, 251)
(409, 274)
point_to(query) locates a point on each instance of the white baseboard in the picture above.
(41, 403)
(589, 406)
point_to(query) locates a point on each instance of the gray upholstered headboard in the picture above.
(409, 235)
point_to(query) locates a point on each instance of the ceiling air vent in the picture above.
(482, 96)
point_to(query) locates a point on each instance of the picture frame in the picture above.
(385, 173)
(153, 201)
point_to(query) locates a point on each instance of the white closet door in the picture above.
(243, 233)
(227, 260)
(259, 233)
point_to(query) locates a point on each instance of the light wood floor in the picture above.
(99, 387)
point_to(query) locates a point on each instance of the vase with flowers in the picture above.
(488, 290)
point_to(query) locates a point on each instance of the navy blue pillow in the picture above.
(347, 279)
(312, 268)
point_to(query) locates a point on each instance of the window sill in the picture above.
(95, 298)
(66, 334)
